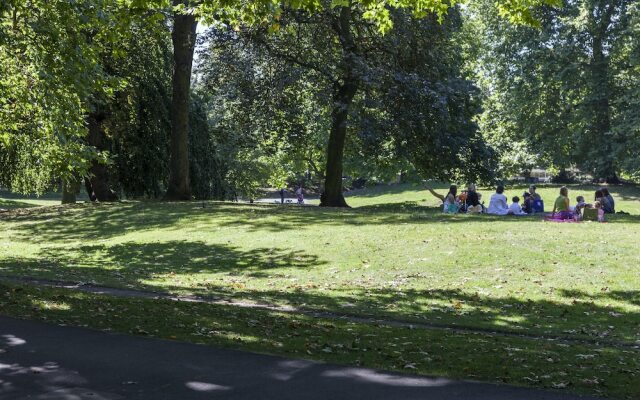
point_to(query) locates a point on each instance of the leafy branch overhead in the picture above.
(254, 12)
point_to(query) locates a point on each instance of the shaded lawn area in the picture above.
(395, 256)
(593, 369)
(10, 201)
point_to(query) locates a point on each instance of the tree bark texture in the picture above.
(601, 93)
(184, 40)
(343, 93)
(69, 191)
(333, 189)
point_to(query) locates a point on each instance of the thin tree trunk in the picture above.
(184, 40)
(343, 95)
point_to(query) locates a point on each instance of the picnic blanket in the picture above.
(559, 218)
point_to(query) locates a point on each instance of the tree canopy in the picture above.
(314, 92)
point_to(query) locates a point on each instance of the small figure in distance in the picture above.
(514, 208)
(450, 202)
(598, 205)
(473, 205)
(609, 206)
(533, 201)
(602, 199)
(300, 195)
(532, 192)
(562, 206)
(580, 205)
(527, 204)
(498, 202)
(282, 192)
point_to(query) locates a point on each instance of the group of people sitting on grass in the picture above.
(470, 201)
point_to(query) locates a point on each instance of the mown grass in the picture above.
(394, 256)
(10, 201)
(595, 369)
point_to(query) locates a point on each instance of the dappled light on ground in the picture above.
(392, 258)
(206, 387)
(385, 379)
(481, 356)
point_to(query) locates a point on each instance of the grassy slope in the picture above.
(394, 255)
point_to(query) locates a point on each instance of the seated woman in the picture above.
(450, 202)
(609, 207)
(472, 203)
(604, 202)
(529, 198)
(561, 207)
(498, 202)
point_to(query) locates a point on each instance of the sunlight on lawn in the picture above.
(394, 256)
(404, 261)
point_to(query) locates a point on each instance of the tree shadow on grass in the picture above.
(12, 204)
(95, 222)
(575, 315)
(539, 363)
(132, 263)
(182, 267)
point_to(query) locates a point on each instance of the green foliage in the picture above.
(138, 121)
(205, 169)
(414, 113)
(558, 89)
(263, 114)
(59, 61)
(268, 12)
(50, 64)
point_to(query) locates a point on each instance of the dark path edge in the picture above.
(133, 293)
(451, 388)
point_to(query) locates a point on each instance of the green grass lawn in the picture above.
(394, 255)
(9, 201)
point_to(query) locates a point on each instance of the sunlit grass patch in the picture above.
(394, 256)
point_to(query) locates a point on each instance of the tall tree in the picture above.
(50, 68)
(554, 88)
(184, 41)
(255, 13)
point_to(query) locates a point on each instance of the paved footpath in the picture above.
(48, 362)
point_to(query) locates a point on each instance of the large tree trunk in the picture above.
(343, 95)
(601, 94)
(69, 191)
(333, 190)
(184, 40)
(97, 184)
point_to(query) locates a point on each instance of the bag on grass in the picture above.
(590, 214)
(537, 206)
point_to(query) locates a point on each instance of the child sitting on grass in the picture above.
(580, 205)
(515, 208)
(598, 206)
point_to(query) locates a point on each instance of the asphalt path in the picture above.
(48, 362)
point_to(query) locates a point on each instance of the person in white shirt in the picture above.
(498, 203)
(515, 207)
